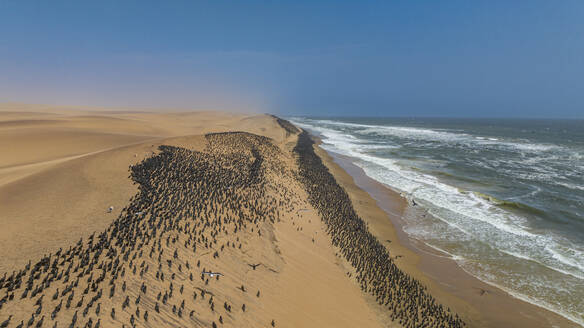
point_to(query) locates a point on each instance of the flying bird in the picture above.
(211, 274)
(254, 266)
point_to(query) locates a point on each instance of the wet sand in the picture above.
(481, 304)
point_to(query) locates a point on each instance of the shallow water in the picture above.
(506, 196)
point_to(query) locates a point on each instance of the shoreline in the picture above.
(478, 302)
(404, 297)
(331, 218)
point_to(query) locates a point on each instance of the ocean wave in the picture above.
(510, 204)
(469, 216)
(480, 215)
(536, 190)
(439, 135)
(571, 186)
(574, 259)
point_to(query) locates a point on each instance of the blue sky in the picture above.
(388, 58)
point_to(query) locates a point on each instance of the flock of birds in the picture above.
(157, 263)
(406, 298)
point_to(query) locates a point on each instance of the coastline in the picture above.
(297, 236)
(477, 302)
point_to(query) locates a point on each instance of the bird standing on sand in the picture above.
(6, 322)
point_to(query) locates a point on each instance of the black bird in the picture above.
(80, 302)
(74, 319)
(6, 322)
(40, 323)
(40, 300)
(30, 321)
(254, 266)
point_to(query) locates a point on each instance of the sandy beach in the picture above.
(160, 219)
(480, 303)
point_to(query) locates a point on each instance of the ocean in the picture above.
(506, 196)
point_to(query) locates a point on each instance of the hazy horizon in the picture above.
(401, 59)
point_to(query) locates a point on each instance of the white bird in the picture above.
(110, 209)
(212, 274)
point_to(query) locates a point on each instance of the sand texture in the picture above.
(187, 199)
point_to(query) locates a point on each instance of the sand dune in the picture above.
(59, 174)
(60, 170)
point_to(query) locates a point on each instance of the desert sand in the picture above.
(62, 169)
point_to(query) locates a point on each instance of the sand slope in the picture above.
(63, 168)
(60, 170)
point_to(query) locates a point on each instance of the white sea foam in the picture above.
(484, 276)
(569, 256)
(571, 186)
(437, 135)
